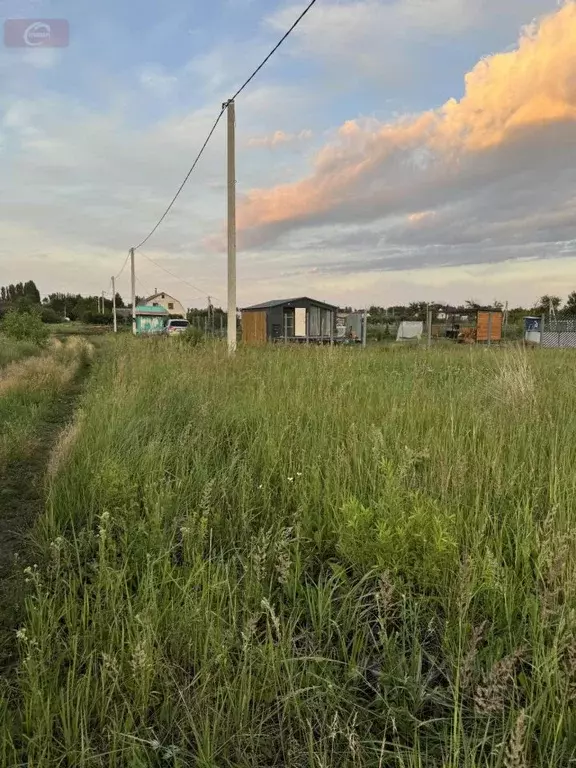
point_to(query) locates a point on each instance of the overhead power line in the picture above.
(273, 51)
(123, 266)
(224, 106)
(180, 279)
(181, 187)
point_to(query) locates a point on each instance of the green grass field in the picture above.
(305, 557)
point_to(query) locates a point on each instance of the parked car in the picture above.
(175, 327)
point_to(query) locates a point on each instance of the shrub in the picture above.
(50, 315)
(25, 326)
(192, 336)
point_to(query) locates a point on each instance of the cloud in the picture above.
(155, 79)
(384, 39)
(511, 134)
(279, 138)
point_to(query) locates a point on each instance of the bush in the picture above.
(50, 315)
(192, 336)
(25, 326)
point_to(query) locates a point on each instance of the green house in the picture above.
(151, 320)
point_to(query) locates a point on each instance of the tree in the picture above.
(25, 326)
(31, 292)
(570, 307)
(546, 302)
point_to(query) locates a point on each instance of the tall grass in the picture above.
(11, 350)
(27, 388)
(306, 557)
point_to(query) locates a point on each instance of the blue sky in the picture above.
(95, 138)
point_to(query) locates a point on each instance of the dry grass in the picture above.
(63, 446)
(27, 387)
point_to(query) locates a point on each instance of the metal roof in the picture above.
(283, 302)
(142, 310)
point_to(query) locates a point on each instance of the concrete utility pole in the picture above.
(103, 306)
(133, 271)
(114, 304)
(232, 335)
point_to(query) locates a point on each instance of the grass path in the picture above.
(22, 496)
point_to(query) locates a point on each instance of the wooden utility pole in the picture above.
(133, 275)
(231, 227)
(114, 304)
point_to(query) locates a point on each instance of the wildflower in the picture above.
(298, 474)
(22, 634)
(290, 479)
(260, 487)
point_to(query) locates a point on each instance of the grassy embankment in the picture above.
(307, 557)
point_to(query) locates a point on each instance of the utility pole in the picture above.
(102, 310)
(114, 304)
(232, 335)
(133, 271)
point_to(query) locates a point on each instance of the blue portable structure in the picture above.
(151, 320)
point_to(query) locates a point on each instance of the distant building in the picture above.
(296, 320)
(163, 299)
(149, 319)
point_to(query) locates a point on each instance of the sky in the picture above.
(391, 151)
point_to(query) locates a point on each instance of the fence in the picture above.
(558, 334)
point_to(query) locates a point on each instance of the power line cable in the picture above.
(273, 51)
(211, 132)
(181, 187)
(194, 287)
(123, 266)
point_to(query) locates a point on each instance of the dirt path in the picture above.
(21, 501)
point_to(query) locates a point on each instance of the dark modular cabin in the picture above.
(290, 320)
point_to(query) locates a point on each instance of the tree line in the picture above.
(60, 307)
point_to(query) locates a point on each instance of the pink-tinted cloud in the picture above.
(528, 89)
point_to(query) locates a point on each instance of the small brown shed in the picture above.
(489, 325)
